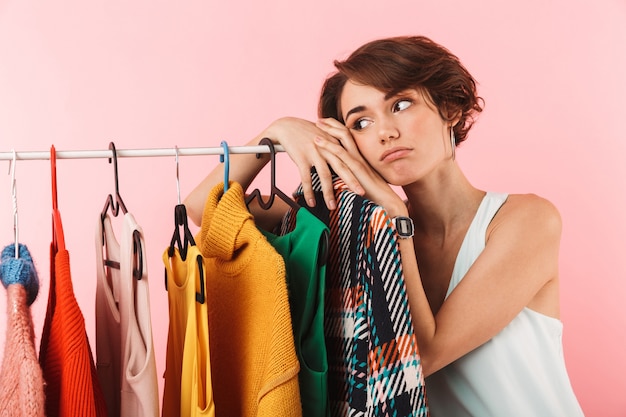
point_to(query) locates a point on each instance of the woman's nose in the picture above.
(387, 132)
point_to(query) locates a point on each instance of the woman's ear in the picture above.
(450, 113)
(454, 117)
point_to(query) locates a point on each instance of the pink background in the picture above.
(154, 74)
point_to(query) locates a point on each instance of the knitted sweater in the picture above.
(21, 380)
(65, 356)
(253, 358)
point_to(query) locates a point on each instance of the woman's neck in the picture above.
(442, 201)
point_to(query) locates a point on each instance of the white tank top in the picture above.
(519, 372)
(125, 355)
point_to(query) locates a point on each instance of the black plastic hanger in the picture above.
(183, 243)
(274, 190)
(138, 255)
(180, 219)
(115, 205)
(118, 203)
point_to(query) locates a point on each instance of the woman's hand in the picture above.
(341, 151)
(298, 138)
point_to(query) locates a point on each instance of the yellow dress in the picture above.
(188, 387)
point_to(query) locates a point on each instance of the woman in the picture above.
(481, 269)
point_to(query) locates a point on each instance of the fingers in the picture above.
(358, 175)
(337, 130)
(343, 154)
(307, 187)
(300, 140)
(326, 180)
(307, 156)
(341, 162)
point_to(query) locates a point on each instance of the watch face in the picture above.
(404, 226)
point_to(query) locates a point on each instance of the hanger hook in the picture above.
(115, 205)
(53, 166)
(177, 177)
(114, 158)
(225, 158)
(12, 164)
(270, 144)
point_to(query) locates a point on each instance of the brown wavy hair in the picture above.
(399, 63)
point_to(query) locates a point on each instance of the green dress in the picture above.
(305, 250)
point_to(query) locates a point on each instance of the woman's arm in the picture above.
(297, 136)
(518, 268)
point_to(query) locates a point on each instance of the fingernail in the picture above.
(332, 205)
(311, 202)
(317, 139)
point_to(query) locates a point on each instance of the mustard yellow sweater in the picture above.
(254, 367)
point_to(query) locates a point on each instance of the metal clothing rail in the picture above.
(136, 153)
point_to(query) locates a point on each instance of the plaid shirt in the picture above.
(374, 362)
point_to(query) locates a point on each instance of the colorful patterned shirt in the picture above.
(374, 362)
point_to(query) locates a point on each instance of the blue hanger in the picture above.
(225, 158)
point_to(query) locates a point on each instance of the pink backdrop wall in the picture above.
(157, 74)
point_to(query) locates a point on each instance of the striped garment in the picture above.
(374, 362)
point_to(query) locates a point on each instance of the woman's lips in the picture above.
(394, 154)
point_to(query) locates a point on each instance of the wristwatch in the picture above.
(404, 226)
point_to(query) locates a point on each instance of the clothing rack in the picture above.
(136, 153)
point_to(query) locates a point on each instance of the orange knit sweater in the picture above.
(254, 368)
(72, 387)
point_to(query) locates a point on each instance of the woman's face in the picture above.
(403, 137)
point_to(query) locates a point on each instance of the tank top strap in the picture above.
(474, 241)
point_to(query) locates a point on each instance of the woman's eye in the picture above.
(360, 124)
(401, 105)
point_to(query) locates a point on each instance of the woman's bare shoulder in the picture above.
(528, 211)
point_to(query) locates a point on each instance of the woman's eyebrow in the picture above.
(357, 109)
(354, 110)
